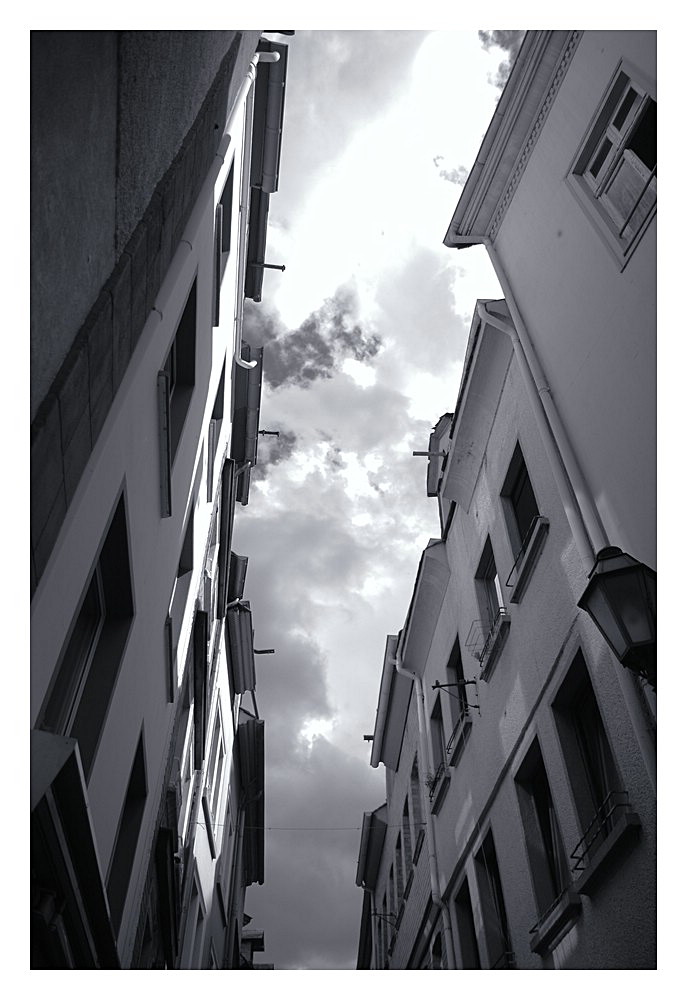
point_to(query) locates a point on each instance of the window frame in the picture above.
(175, 385)
(495, 922)
(78, 698)
(589, 188)
(546, 852)
(603, 811)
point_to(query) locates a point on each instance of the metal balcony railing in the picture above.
(485, 638)
(434, 781)
(459, 730)
(505, 961)
(613, 806)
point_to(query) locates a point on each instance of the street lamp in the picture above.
(621, 599)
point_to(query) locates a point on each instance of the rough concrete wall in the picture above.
(72, 412)
(110, 111)
(163, 80)
(73, 161)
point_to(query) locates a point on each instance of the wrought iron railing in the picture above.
(484, 635)
(458, 729)
(506, 960)
(548, 911)
(613, 806)
(434, 781)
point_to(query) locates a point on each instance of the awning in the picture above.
(239, 639)
(251, 751)
(428, 597)
(371, 845)
(246, 390)
(237, 576)
(395, 693)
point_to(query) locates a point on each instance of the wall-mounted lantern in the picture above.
(621, 599)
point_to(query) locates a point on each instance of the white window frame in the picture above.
(592, 187)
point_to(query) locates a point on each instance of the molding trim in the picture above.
(521, 162)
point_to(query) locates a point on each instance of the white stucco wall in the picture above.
(515, 705)
(592, 324)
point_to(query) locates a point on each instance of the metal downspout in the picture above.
(431, 840)
(580, 507)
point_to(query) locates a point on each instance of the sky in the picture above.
(364, 337)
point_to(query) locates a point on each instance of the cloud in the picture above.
(313, 844)
(336, 82)
(510, 42)
(274, 448)
(317, 348)
(457, 175)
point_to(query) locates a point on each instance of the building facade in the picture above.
(147, 748)
(526, 724)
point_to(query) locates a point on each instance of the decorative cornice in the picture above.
(521, 163)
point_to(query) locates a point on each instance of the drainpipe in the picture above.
(243, 204)
(583, 515)
(431, 840)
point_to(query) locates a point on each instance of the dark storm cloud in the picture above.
(337, 81)
(510, 42)
(317, 348)
(320, 854)
(456, 175)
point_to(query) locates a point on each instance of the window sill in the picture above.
(556, 922)
(418, 846)
(627, 823)
(208, 826)
(439, 788)
(454, 747)
(620, 252)
(494, 644)
(524, 565)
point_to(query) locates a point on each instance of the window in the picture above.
(182, 583)
(458, 701)
(465, 927)
(127, 835)
(488, 633)
(547, 857)
(438, 785)
(216, 769)
(489, 593)
(175, 383)
(519, 503)
(223, 215)
(86, 674)
(497, 935)
(200, 684)
(436, 729)
(226, 202)
(416, 806)
(400, 881)
(616, 168)
(214, 429)
(600, 799)
(407, 843)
